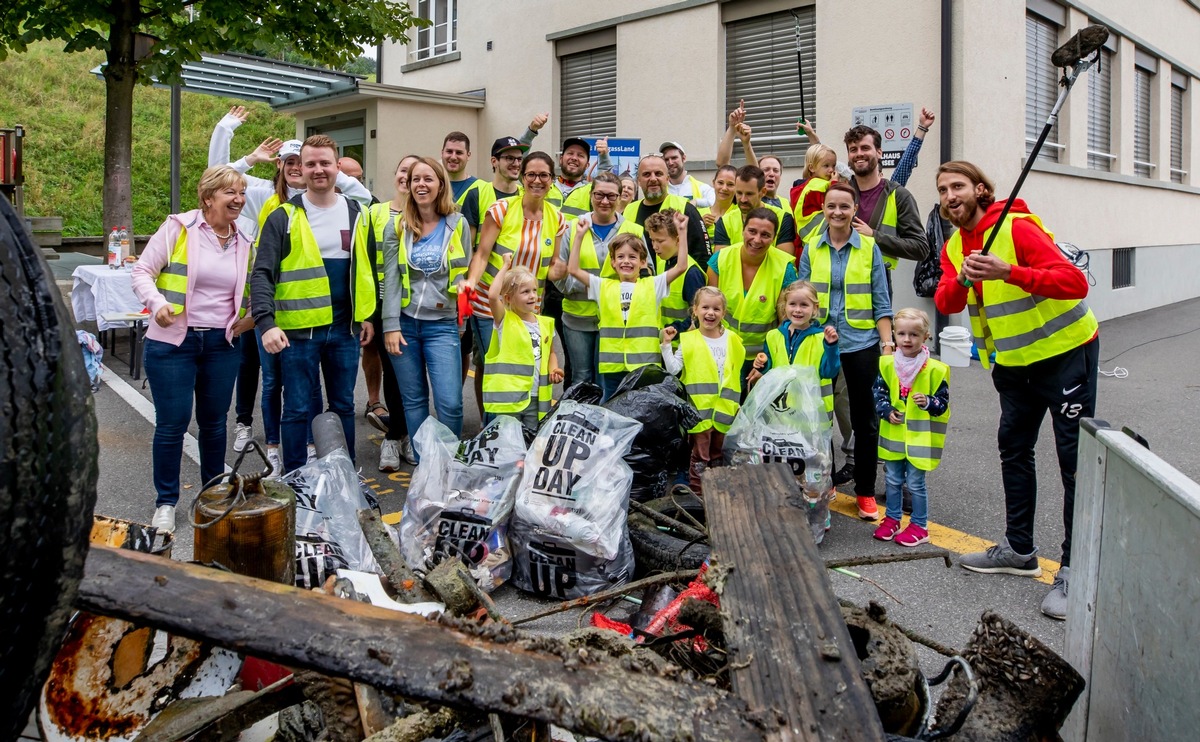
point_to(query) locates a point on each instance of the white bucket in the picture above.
(955, 344)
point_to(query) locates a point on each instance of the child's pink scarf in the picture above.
(908, 368)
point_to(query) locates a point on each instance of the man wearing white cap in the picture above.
(701, 195)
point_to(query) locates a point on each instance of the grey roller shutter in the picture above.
(1099, 127)
(589, 93)
(761, 69)
(1041, 84)
(1177, 172)
(1142, 82)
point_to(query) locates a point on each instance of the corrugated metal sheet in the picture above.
(1041, 84)
(589, 93)
(1099, 125)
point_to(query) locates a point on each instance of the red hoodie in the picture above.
(1040, 269)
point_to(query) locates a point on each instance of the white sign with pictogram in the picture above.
(895, 124)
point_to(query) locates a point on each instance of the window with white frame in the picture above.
(1099, 126)
(588, 88)
(1143, 87)
(440, 36)
(1178, 90)
(1041, 83)
(766, 59)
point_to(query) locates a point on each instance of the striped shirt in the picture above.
(528, 253)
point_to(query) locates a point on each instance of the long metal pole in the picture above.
(175, 155)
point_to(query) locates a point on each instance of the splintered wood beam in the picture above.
(495, 670)
(790, 653)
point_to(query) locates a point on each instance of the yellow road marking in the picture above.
(945, 537)
(393, 518)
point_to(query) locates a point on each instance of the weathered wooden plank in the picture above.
(792, 654)
(503, 672)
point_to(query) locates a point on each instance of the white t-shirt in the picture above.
(718, 346)
(708, 196)
(662, 289)
(331, 227)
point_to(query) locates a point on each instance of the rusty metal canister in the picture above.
(247, 524)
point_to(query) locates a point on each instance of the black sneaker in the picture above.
(843, 475)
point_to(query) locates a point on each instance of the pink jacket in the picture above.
(155, 257)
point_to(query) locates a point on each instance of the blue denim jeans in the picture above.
(609, 383)
(272, 394)
(898, 473)
(430, 358)
(583, 350)
(331, 352)
(203, 367)
(247, 378)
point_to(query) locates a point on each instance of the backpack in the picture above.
(929, 269)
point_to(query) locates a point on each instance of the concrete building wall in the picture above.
(671, 85)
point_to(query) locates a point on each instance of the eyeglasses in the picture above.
(509, 158)
(606, 196)
(538, 176)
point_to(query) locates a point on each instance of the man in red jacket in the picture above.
(1027, 306)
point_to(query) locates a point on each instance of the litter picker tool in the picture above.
(1079, 53)
(800, 66)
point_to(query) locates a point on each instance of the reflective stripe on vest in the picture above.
(508, 368)
(751, 313)
(856, 284)
(715, 399)
(380, 214)
(889, 225)
(302, 296)
(593, 264)
(919, 438)
(670, 201)
(674, 308)
(809, 227)
(509, 240)
(1018, 327)
(172, 279)
(732, 219)
(809, 354)
(633, 342)
(577, 203)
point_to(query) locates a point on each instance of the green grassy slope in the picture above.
(61, 106)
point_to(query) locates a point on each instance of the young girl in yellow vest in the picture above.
(628, 303)
(710, 358)
(912, 399)
(820, 169)
(521, 367)
(799, 341)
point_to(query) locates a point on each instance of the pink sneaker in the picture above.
(887, 529)
(914, 535)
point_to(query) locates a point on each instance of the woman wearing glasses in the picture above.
(581, 330)
(525, 226)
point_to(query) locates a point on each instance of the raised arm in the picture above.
(222, 136)
(495, 298)
(725, 146)
(582, 225)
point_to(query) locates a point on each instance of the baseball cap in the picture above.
(671, 145)
(504, 143)
(290, 148)
(576, 141)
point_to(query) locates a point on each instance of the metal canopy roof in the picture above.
(255, 78)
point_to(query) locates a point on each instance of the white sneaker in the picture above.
(406, 450)
(275, 462)
(164, 519)
(312, 454)
(389, 456)
(241, 438)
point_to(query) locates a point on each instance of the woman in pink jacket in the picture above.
(192, 278)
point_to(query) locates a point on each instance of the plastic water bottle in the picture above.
(114, 248)
(123, 233)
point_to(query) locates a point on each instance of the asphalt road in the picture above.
(1158, 398)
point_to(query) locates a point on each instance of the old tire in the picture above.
(663, 551)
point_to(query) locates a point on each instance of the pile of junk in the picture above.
(304, 616)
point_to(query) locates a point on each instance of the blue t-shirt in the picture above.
(457, 187)
(339, 290)
(426, 255)
(603, 230)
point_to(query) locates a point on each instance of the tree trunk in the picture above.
(120, 77)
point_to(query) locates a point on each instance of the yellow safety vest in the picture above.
(508, 368)
(810, 227)
(475, 185)
(302, 296)
(381, 213)
(716, 399)
(888, 225)
(626, 344)
(732, 219)
(919, 438)
(455, 256)
(679, 203)
(808, 355)
(577, 203)
(509, 240)
(751, 312)
(268, 206)
(1018, 327)
(856, 285)
(674, 307)
(487, 197)
(588, 262)
(712, 228)
(172, 279)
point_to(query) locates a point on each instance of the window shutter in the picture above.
(589, 93)
(1143, 80)
(1099, 127)
(761, 69)
(1041, 84)
(1177, 134)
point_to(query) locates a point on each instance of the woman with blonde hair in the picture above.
(192, 277)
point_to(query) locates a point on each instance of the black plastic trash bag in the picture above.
(660, 403)
(584, 393)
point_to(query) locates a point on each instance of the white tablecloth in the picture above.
(100, 290)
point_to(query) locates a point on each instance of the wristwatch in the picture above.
(887, 344)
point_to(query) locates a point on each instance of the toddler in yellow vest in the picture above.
(521, 367)
(912, 399)
(710, 359)
(628, 304)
